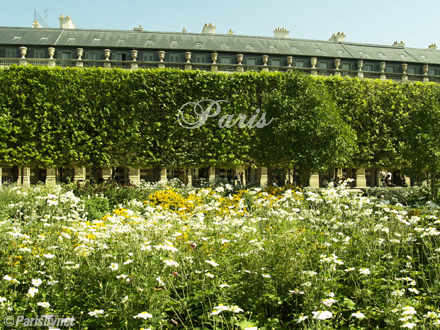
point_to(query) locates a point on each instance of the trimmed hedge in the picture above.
(62, 117)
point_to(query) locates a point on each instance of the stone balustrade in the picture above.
(216, 65)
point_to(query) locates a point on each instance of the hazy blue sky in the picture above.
(416, 23)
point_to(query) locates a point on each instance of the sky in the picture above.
(416, 23)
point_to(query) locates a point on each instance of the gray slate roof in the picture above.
(168, 41)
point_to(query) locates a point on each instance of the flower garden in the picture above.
(165, 257)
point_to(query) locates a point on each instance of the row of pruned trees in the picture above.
(53, 117)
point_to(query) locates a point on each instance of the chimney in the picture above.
(140, 28)
(66, 22)
(280, 33)
(184, 30)
(399, 44)
(336, 38)
(230, 32)
(36, 25)
(432, 46)
(208, 29)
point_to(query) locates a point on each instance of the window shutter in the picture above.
(251, 61)
(275, 62)
(11, 53)
(148, 57)
(390, 69)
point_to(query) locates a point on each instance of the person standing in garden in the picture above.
(382, 176)
(183, 177)
(237, 179)
(389, 175)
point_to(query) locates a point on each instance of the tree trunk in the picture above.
(305, 176)
(433, 184)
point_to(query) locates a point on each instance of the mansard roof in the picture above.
(193, 42)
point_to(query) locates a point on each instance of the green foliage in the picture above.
(420, 135)
(97, 207)
(405, 196)
(97, 117)
(54, 117)
(272, 261)
(111, 191)
(307, 131)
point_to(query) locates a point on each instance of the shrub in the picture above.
(404, 195)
